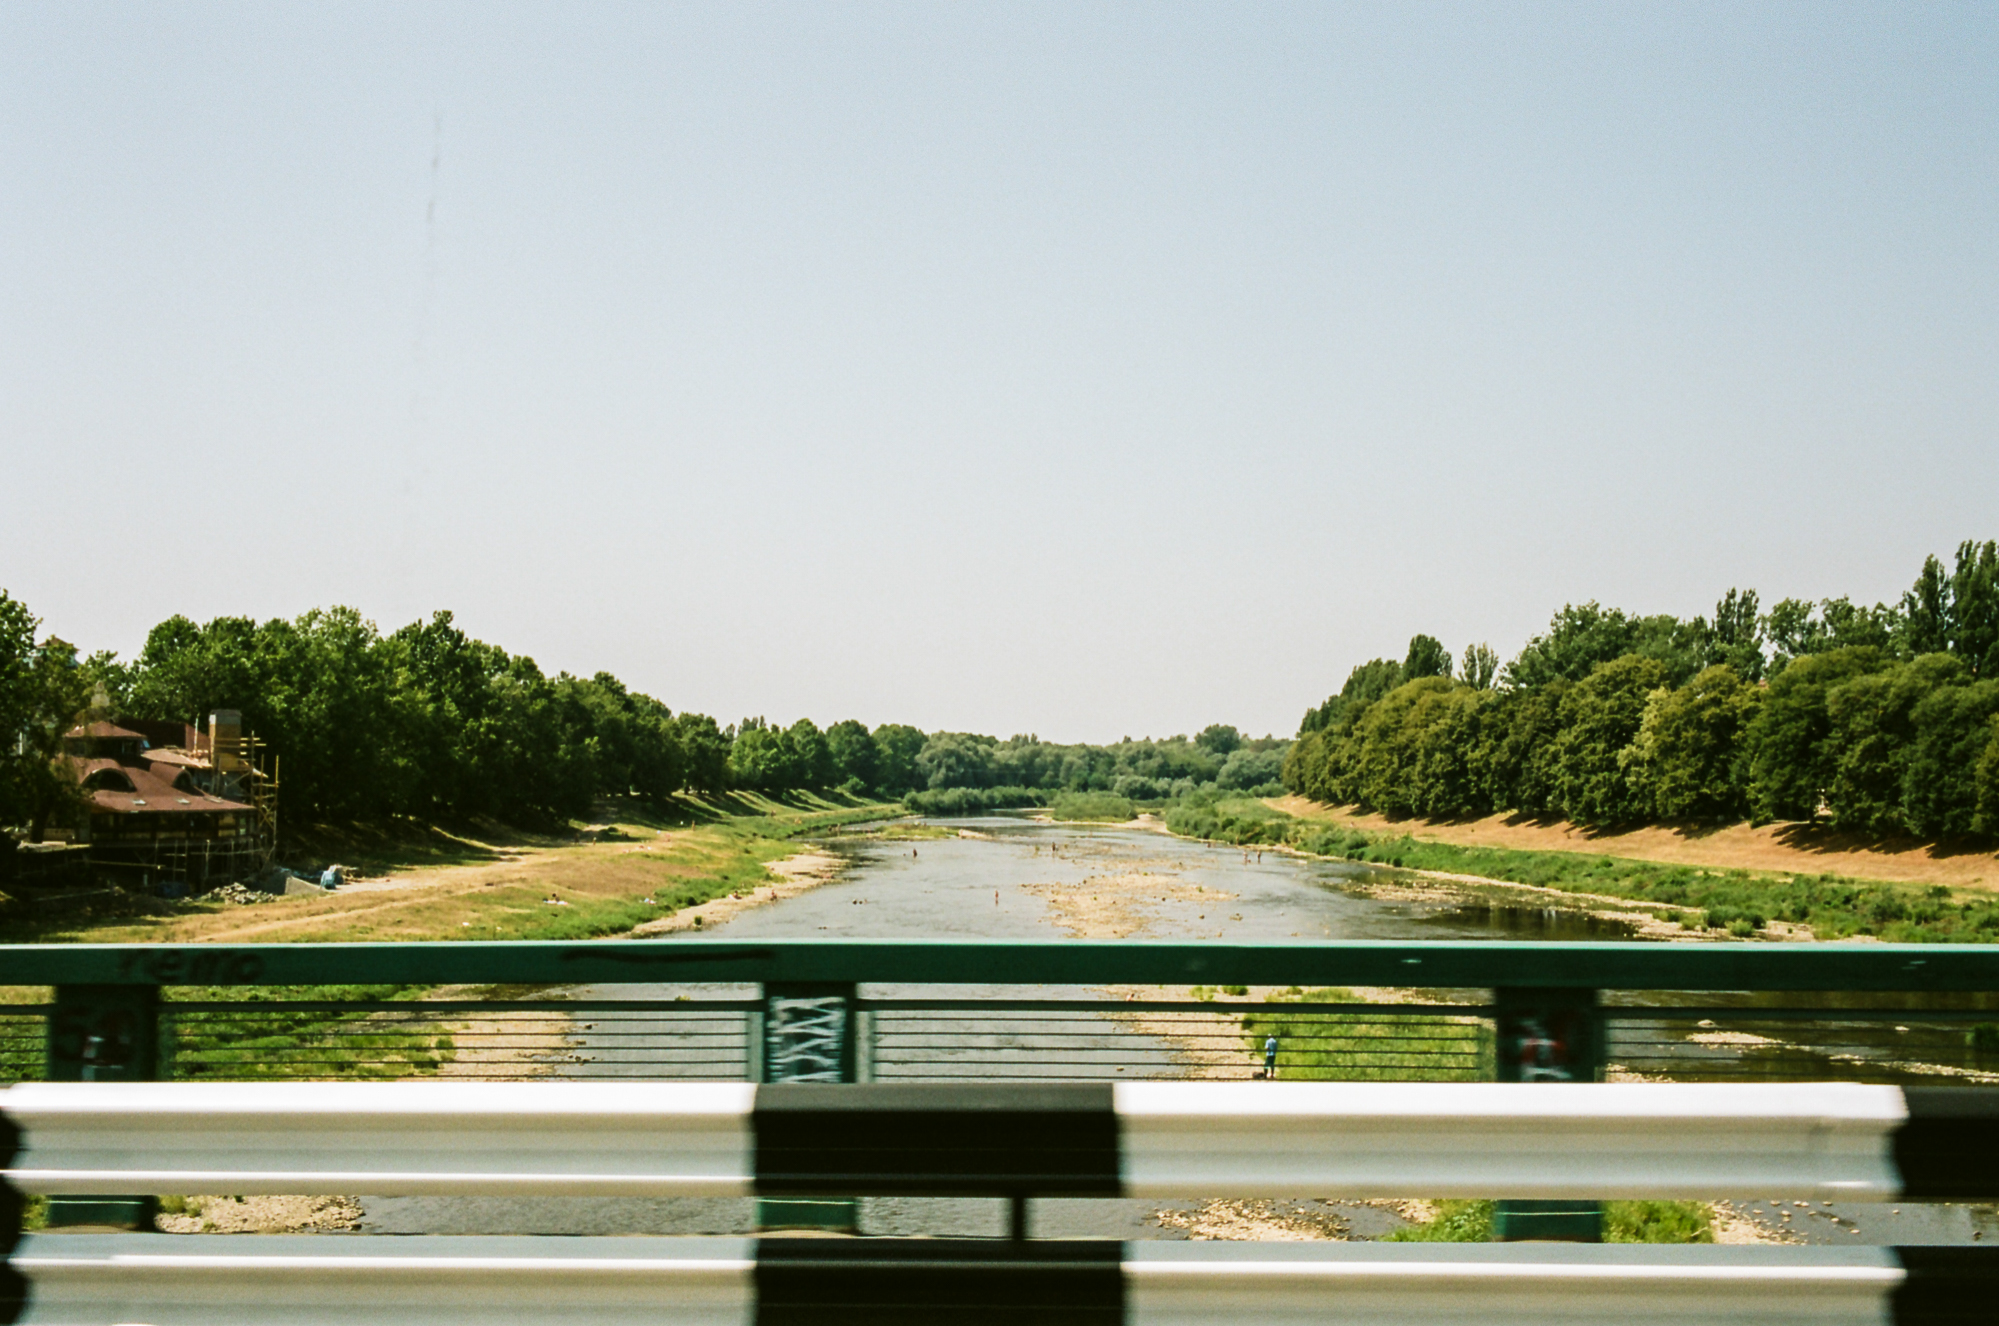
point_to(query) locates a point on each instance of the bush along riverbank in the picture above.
(1741, 902)
(953, 801)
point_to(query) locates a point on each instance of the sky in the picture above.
(1089, 370)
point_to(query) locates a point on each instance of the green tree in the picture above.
(1516, 755)
(1304, 764)
(17, 655)
(705, 749)
(897, 746)
(44, 691)
(1926, 611)
(1249, 767)
(1796, 628)
(1579, 638)
(855, 758)
(633, 743)
(810, 758)
(1364, 685)
(1385, 747)
(1690, 755)
(1792, 755)
(1953, 727)
(1873, 735)
(186, 671)
(1736, 638)
(1480, 667)
(956, 759)
(1600, 716)
(58, 692)
(1420, 750)
(1987, 821)
(759, 759)
(1974, 607)
(1218, 739)
(1411, 754)
(1426, 658)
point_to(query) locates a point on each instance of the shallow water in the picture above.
(985, 888)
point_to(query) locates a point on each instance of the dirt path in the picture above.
(513, 895)
(1795, 848)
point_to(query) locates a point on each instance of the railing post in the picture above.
(104, 1033)
(809, 1034)
(1548, 1035)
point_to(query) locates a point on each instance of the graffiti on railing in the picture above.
(805, 1038)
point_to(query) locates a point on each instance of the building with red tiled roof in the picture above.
(152, 812)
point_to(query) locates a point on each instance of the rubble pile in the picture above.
(234, 895)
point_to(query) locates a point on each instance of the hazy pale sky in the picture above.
(1084, 369)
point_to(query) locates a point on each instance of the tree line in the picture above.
(1882, 719)
(427, 722)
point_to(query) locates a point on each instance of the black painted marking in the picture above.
(13, 1288)
(1948, 1149)
(941, 1139)
(1947, 1287)
(961, 1282)
(13, 1294)
(11, 1201)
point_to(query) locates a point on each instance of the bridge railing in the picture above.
(915, 1010)
(843, 1010)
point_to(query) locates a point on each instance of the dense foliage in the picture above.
(1884, 720)
(427, 722)
(1147, 770)
(41, 681)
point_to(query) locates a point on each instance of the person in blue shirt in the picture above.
(1270, 1058)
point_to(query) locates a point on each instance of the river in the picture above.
(1015, 878)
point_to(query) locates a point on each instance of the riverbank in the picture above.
(792, 875)
(1664, 899)
(1781, 848)
(636, 867)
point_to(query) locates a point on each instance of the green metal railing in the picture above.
(1460, 964)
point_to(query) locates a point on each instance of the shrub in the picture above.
(1658, 1222)
(1455, 1222)
(1097, 806)
(973, 800)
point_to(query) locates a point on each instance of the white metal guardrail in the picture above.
(1138, 1139)
(165, 1280)
(1153, 1139)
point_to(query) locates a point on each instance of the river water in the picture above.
(1020, 879)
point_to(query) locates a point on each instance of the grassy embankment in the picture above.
(489, 882)
(1707, 898)
(426, 883)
